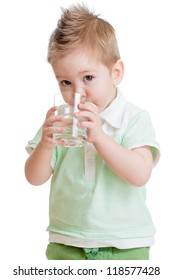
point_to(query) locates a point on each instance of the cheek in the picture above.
(99, 93)
(99, 100)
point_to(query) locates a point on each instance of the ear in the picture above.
(118, 72)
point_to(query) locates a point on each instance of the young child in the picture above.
(97, 197)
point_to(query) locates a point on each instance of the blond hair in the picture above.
(80, 29)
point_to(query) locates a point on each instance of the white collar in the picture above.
(113, 114)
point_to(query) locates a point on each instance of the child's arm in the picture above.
(38, 166)
(134, 166)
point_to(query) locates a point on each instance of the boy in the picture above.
(97, 198)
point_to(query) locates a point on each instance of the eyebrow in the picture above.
(59, 77)
(81, 72)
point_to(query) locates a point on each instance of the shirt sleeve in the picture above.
(33, 143)
(140, 132)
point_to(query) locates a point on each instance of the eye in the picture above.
(88, 78)
(65, 83)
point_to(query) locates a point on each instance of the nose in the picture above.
(78, 87)
(80, 90)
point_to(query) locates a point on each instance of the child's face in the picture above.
(76, 72)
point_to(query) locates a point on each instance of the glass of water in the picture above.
(73, 136)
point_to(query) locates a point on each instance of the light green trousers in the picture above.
(56, 251)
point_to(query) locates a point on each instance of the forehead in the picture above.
(85, 56)
(76, 61)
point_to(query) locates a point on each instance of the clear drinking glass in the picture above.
(73, 136)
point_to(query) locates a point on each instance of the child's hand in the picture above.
(48, 129)
(93, 123)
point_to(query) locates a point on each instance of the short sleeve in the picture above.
(33, 143)
(140, 132)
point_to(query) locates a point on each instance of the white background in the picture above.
(27, 87)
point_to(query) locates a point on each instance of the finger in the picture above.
(50, 121)
(86, 124)
(50, 130)
(88, 106)
(90, 116)
(51, 112)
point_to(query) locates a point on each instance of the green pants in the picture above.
(56, 251)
